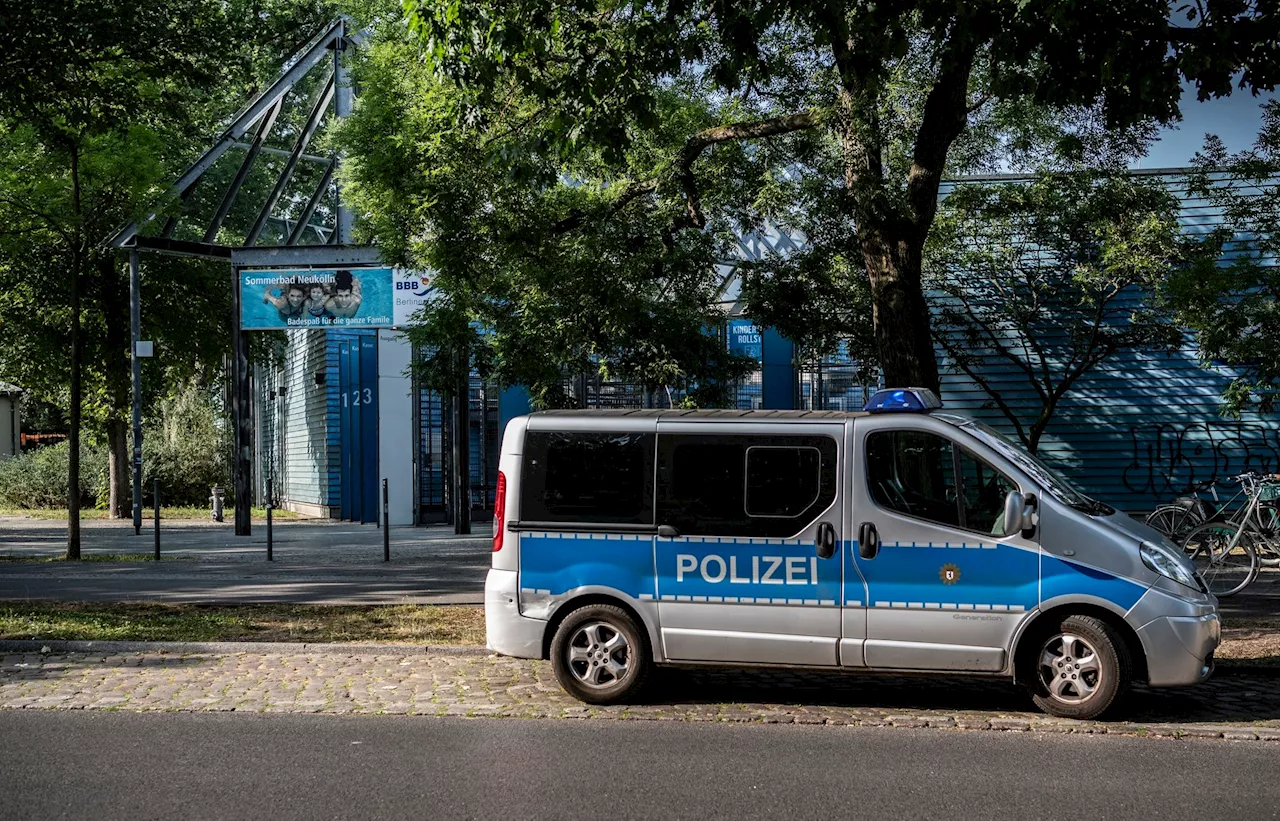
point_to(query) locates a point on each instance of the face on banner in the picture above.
(341, 297)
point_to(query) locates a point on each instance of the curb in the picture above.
(35, 646)
(68, 646)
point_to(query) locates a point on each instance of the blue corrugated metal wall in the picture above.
(1141, 428)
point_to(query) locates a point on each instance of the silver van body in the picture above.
(931, 597)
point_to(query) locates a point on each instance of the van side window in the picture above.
(741, 485)
(917, 473)
(913, 472)
(984, 491)
(782, 481)
(604, 478)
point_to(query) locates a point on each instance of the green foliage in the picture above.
(188, 448)
(544, 265)
(38, 479)
(1052, 277)
(851, 108)
(1231, 297)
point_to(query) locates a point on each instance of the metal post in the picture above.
(135, 333)
(156, 513)
(269, 508)
(386, 525)
(242, 422)
(462, 445)
(342, 105)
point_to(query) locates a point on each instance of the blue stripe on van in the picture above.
(560, 562)
(1063, 578)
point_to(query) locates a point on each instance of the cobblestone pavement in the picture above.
(1238, 706)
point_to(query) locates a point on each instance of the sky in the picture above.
(1235, 119)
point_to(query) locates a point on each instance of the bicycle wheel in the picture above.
(1226, 569)
(1174, 521)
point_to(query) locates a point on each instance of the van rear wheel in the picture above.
(599, 655)
(1080, 670)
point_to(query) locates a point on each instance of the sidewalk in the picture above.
(394, 680)
(314, 563)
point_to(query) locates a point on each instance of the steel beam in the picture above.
(135, 333)
(310, 210)
(311, 55)
(313, 121)
(304, 256)
(264, 128)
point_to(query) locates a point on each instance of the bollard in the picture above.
(215, 503)
(156, 512)
(269, 536)
(386, 525)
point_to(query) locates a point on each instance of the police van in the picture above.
(899, 539)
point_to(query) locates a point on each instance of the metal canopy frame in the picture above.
(248, 130)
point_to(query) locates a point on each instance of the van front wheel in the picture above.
(1081, 668)
(599, 655)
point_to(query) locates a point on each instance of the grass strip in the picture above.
(1244, 641)
(171, 513)
(362, 624)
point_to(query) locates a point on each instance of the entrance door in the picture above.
(948, 587)
(744, 580)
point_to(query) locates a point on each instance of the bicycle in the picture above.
(1226, 553)
(1176, 519)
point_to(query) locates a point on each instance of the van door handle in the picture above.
(826, 541)
(868, 541)
(667, 532)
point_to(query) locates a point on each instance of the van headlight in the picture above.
(1167, 563)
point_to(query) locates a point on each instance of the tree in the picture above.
(1048, 279)
(540, 269)
(855, 104)
(1231, 300)
(101, 103)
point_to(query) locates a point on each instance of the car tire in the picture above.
(600, 655)
(1081, 668)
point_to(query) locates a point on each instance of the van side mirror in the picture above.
(1019, 514)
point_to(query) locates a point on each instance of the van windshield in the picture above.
(1051, 480)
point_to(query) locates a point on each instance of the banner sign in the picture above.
(744, 338)
(335, 298)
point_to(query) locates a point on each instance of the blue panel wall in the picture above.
(778, 372)
(1142, 427)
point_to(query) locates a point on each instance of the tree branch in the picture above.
(698, 143)
(945, 116)
(632, 192)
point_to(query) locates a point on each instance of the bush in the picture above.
(39, 479)
(187, 448)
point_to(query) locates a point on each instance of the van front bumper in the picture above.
(506, 631)
(1180, 649)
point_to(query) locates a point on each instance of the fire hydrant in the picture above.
(215, 500)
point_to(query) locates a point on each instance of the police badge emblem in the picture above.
(950, 574)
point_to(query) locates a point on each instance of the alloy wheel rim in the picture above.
(598, 654)
(1069, 668)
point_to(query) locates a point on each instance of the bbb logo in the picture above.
(421, 286)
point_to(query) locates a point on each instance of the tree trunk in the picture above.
(118, 467)
(900, 313)
(73, 417)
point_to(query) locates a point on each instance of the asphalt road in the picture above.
(134, 766)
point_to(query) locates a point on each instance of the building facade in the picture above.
(343, 413)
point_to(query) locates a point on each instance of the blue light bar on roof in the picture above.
(909, 400)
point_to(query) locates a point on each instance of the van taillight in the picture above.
(499, 508)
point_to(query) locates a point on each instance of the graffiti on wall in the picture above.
(1171, 459)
